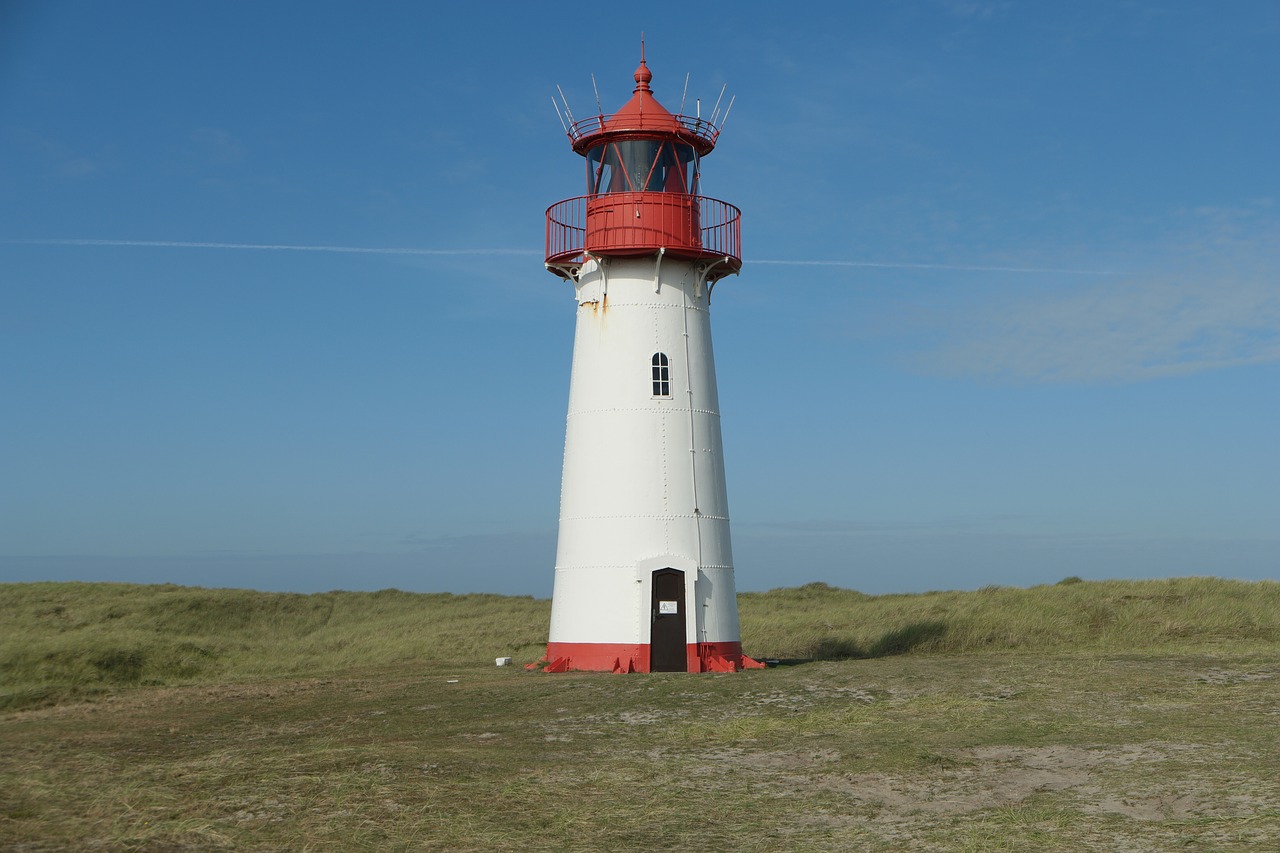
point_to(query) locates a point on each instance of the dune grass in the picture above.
(1086, 716)
(819, 621)
(62, 640)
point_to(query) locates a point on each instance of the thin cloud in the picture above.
(271, 247)
(851, 527)
(218, 146)
(909, 266)
(1138, 329)
(1210, 301)
(369, 250)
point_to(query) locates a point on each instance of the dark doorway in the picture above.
(667, 632)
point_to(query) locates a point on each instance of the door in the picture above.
(667, 632)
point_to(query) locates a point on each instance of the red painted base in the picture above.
(625, 657)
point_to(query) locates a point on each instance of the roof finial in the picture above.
(643, 74)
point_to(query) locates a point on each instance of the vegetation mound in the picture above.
(1109, 617)
(59, 640)
(63, 640)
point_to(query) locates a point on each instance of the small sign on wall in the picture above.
(668, 608)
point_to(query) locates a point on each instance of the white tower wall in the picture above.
(643, 485)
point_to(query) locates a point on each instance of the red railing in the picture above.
(630, 224)
(698, 130)
(567, 230)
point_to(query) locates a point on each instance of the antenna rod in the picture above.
(562, 124)
(686, 91)
(727, 109)
(599, 109)
(716, 108)
(566, 104)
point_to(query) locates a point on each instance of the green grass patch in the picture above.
(66, 640)
(1084, 716)
(63, 640)
(823, 622)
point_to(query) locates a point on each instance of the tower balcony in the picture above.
(635, 224)
(698, 132)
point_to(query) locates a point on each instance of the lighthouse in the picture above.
(644, 565)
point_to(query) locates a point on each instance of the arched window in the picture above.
(661, 375)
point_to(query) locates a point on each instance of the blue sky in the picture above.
(1010, 307)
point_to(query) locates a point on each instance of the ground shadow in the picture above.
(896, 642)
(906, 639)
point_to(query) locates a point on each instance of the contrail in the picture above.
(275, 247)
(367, 250)
(904, 266)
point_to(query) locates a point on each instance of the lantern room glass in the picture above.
(642, 165)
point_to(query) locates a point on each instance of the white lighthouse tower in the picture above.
(644, 565)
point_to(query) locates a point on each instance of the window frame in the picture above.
(660, 376)
(672, 167)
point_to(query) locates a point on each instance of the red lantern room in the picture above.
(642, 191)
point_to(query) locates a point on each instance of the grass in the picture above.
(816, 620)
(1109, 716)
(63, 640)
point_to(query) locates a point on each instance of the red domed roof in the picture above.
(643, 112)
(643, 117)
